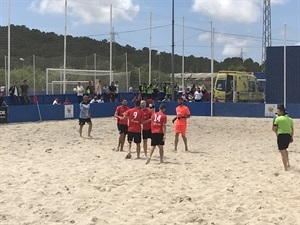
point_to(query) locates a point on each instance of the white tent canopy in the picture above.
(195, 76)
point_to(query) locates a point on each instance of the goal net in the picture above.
(56, 84)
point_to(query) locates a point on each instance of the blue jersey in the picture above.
(84, 110)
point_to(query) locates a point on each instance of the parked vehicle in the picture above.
(237, 86)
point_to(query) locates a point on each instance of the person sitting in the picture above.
(101, 100)
(67, 102)
(166, 99)
(56, 102)
(95, 99)
(2, 101)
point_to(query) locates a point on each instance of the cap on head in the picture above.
(282, 109)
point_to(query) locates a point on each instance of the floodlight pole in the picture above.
(127, 78)
(5, 74)
(182, 66)
(212, 71)
(284, 68)
(150, 48)
(65, 49)
(8, 48)
(33, 65)
(95, 68)
(110, 47)
(172, 57)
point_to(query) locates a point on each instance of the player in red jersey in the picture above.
(135, 118)
(146, 133)
(158, 129)
(122, 124)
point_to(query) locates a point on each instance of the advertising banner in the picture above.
(270, 110)
(69, 111)
(3, 115)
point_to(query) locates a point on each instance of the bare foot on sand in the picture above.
(148, 161)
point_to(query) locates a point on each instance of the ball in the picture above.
(150, 105)
(75, 89)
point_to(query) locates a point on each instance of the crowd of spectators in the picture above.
(99, 93)
(19, 94)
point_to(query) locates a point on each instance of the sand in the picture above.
(233, 174)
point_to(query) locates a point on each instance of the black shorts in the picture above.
(146, 134)
(157, 139)
(83, 121)
(136, 137)
(122, 128)
(283, 141)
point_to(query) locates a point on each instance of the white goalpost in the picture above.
(55, 76)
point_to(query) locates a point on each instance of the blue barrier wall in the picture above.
(274, 68)
(29, 113)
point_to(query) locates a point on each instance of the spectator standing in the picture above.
(24, 92)
(155, 91)
(112, 91)
(167, 90)
(90, 90)
(80, 91)
(106, 93)
(117, 89)
(198, 95)
(99, 89)
(150, 91)
(143, 90)
(176, 89)
(2, 89)
(15, 94)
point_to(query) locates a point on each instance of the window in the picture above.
(220, 86)
(251, 86)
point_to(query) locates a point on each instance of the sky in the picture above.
(237, 24)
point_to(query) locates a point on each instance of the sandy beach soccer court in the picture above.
(232, 175)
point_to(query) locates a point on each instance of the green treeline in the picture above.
(88, 53)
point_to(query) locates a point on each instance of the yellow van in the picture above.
(236, 86)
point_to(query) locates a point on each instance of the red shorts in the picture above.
(180, 129)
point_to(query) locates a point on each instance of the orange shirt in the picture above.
(182, 110)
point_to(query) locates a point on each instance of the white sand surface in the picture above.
(233, 175)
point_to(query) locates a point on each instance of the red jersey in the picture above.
(135, 117)
(147, 113)
(120, 111)
(157, 121)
